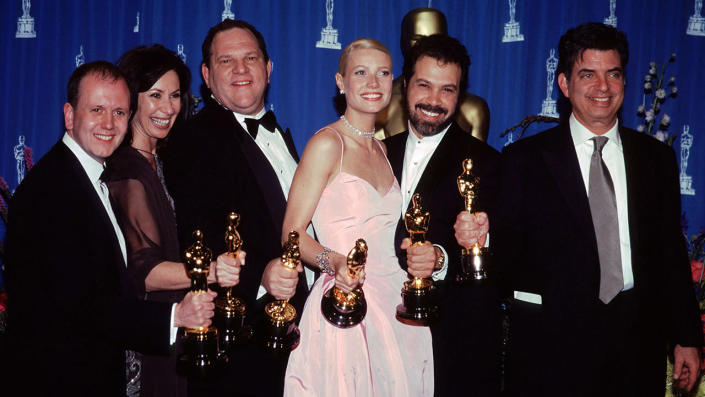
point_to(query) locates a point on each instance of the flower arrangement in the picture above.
(696, 256)
(657, 89)
(5, 196)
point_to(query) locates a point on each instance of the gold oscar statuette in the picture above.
(346, 309)
(473, 259)
(417, 307)
(201, 355)
(279, 331)
(230, 310)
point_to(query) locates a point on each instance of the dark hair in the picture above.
(443, 48)
(227, 25)
(103, 69)
(590, 36)
(143, 66)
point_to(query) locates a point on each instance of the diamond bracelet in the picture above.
(323, 262)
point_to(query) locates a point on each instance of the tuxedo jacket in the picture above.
(71, 312)
(545, 244)
(213, 167)
(466, 337)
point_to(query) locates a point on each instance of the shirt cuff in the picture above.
(261, 292)
(172, 329)
(440, 274)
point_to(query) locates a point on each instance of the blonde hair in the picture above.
(362, 43)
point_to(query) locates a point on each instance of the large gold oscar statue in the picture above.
(201, 356)
(347, 309)
(418, 306)
(473, 261)
(278, 331)
(230, 310)
(473, 113)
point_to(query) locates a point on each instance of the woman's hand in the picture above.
(342, 279)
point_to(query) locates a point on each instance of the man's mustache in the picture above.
(431, 108)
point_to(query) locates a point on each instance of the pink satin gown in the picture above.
(380, 356)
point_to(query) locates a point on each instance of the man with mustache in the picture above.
(427, 159)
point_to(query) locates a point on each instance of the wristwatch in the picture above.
(440, 260)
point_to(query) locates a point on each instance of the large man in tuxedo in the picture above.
(427, 159)
(233, 156)
(588, 237)
(72, 311)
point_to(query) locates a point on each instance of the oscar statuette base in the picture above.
(344, 310)
(203, 358)
(418, 306)
(473, 265)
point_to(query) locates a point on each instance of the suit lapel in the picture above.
(635, 173)
(96, 209)
(562, 163)
(438, 163)
(290, 144)
(264, 174)
(395, 153)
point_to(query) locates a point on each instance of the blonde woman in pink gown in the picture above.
(345, 186)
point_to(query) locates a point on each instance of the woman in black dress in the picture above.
(159, 90)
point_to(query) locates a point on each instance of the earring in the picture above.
(342, 91)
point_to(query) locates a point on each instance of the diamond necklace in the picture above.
(366, 134)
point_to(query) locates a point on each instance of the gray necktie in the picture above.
(603, 207)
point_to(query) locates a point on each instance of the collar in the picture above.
(241, 117)
(92, 167)
(582, 134)
(433, 140)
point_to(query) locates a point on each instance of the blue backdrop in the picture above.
(42, 41)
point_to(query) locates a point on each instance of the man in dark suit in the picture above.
(234, 157)
(427, 160)
(72, 311)
(588, 237)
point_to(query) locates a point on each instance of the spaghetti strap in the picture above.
(385, 156)
(342, 145)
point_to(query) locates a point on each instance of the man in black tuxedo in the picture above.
(427, 160)
(588, 237)
(233, 156)
(72, 312)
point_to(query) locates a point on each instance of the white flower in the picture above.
(652, 64)
(649, 115)
(647, 86)
(660, 93)
(647, 77)
(665, 120)
(641, 128)
(672, 80)
(660, 135)
(674, 90)
(640, 110)
(652, 71)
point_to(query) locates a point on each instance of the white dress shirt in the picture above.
(277, 153)
(416, 156)
(613, 156)
(94, 170)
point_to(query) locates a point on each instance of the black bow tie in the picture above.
(268, 121)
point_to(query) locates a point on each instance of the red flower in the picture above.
(3, 301)
(696, 269)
